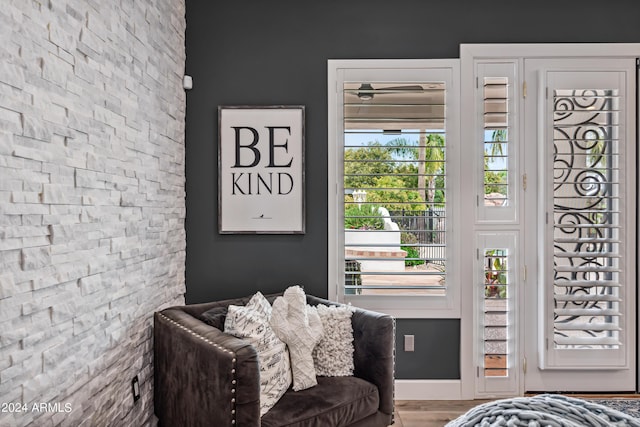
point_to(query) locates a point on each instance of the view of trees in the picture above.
(495, 174)
(408, 174)
(402, 174)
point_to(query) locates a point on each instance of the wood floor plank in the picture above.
(431, 413)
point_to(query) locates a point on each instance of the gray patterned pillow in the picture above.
(333, 356)
(251, 323)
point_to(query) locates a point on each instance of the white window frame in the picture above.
(340, 71)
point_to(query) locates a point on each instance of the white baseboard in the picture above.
(428, 390)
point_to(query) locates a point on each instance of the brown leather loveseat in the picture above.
(204, 377)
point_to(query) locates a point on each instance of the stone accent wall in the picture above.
(92, 204)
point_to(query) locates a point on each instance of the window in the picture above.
(495, 92)
(496, 295)
(394, 172)
(394, 152)
(497, 135)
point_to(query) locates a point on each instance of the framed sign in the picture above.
(261, 170)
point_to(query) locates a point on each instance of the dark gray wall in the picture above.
(275, 52)
(436, 352)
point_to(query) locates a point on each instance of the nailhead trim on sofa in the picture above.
(219, 347)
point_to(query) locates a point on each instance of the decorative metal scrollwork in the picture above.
(584, 190)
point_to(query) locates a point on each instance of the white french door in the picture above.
(578, 313)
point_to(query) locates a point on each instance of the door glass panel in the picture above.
(496, 137)
(496, 289)
(497, 293)
(586, 219)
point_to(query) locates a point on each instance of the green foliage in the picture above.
(353, 165)
(439, 197)
(408, 173)
(434, 153)
(408, 238)
(495, 147)
(494, 150)
(403, 148)
(363, 217)
(412, 252)
(386, 167)
(495, 178)
(393, 189)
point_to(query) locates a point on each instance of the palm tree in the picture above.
(430, 156)
(495, 181)
(498, 137)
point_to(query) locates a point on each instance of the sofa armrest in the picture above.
(202, 376)
(374, 342)
(374, 339)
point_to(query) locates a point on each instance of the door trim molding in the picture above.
(469, 53)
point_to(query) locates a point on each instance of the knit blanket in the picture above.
(542, 411)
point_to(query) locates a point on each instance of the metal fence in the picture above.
(425, 230)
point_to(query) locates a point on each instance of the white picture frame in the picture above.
(261, 188)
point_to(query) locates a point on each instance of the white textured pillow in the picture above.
(251, 323)
(299, 326)
(333, 356)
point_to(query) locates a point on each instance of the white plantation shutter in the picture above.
(559, 123)
(395, 156)
(496, 294)
(395, 166)
(497, 141)
(586, 219)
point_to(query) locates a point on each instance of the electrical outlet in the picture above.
(409, 341)
(135, 388)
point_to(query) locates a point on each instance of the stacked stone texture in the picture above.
(92, 207)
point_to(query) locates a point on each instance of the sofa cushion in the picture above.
(335, 401)
(215, 317)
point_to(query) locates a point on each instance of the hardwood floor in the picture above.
(431, 413)
(437, 413)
